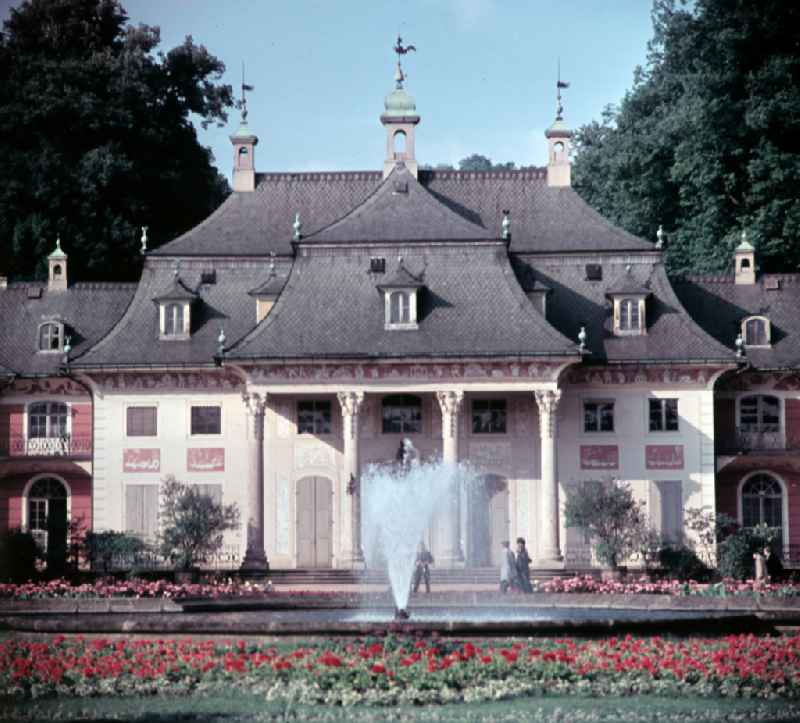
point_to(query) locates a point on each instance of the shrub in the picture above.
(607, 511)
(681, 563)
(18, 555)
(105, 549)
(709, 530)
(191, 523)
(736, 551)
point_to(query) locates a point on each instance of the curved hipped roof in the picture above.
(543, 219)
(720, 305)
(87, 310)
(471, 306)
(574, 301)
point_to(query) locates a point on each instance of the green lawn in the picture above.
(228, 709)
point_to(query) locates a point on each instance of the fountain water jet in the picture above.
(398, 506)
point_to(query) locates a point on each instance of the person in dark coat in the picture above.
(774, 567)
(422, 570)
(523, 566)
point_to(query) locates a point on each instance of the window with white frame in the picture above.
(48, 420)
(206, 420)
(488, 416)
(663, 414)
(399, 307)
(141, 421)
(51, 336)
(47, 497)
(402, 414)
(629, 315)
(141, 510)
(759, 413)
(173, 320)
(598, 416)
(313, 416)
(756, 331)
(762, 503)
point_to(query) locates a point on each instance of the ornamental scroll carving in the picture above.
(134, 381)
(674, 375)
(255, 404)
(450, 402)
(547, 401)
(292, 373)
(50, 387)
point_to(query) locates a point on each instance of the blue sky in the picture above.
(483, 76)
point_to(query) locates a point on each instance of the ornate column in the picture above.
(549, 551)
(350, 545)
(450, 403)
(255, 559)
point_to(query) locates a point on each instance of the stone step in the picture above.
(465, 576)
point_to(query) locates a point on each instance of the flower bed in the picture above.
(645, 586)
(406, 670)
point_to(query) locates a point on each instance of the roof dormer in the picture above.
(756, 331)
(401, 296)
(175, 310)
(629, 299)
(267, 293)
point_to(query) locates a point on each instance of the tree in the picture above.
(97, 138)
(476, 162)
(607, 512)
(708, 139)
(191, 524)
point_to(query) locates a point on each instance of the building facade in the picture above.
(315, 320)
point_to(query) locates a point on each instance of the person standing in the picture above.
(523, 566)
(422, 570)
(508, 568)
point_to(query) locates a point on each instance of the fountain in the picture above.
(399, 504)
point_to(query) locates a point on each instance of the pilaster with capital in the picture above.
(448, 522)
(350, 540)
(549, 551)
(255, 559)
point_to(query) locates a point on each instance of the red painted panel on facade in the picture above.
(599, 456)
(81, 429)
(205, 459)
(12, 420)
(141, 460)
(663, 456)
(792, 423)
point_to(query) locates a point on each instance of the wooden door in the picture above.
(314, 522)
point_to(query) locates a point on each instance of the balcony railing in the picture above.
(759, 437)
(67, 446)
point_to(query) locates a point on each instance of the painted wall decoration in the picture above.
(205, 459)
(599, 456)
(141, 460)
(674, 376)
(663, 456)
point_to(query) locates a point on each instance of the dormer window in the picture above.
(51, 336)
(173, 320)
(629, 299)
(401, 296)
(629, 315)
(174, 311)
(756, 331)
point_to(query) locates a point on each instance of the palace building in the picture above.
(314, 320)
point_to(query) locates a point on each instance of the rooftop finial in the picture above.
(660, 237)
(399, 77)
(559, 85)
(272, 263)
(505, 232)
(221, 342)
(582, 337)
(243, 101)
(58, 241)
(176, 268)
(298, 227)
(143, 250)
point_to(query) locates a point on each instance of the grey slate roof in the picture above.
(401, 279)
(224, 304)
(574, 301)
(88, 311)
(720, 305)
(471, 306)
(175, 290)
(543, 219)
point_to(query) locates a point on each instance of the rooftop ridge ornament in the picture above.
(143, 249)
(401, 50)
(505, 232)
(221, 342)
(559, 85)
(242, 104)
(660, 237)
(298, 227)
(582, 336)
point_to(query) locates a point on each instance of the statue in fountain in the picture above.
(407, 455)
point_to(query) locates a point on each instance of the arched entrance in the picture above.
(761, 500)
(487, 520)
(46, 508)
(314, 522)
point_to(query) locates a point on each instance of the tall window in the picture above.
(400, 308)
(756, 332)
(48, 420)
(51, 337)
(173, 320)
(206, 420)
(47, 504)
(629, 315)
(488, 416)
(663, 415)
(314, 417)
(141, 422)
(762, 502)
(667, 514)
(402, 414)
(598, 416)
(759, 413)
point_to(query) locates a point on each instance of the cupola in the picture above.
(745, 261)
(57, 269)
(559, 136)
(401, 297)
(400, 119)
(629, 300)
(244, 143)
(175, 310)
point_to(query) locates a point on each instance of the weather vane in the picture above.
(243, 102)
(559, 85)
(400, 50)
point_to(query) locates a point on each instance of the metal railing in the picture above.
(67, 446)
(228, 558)
(759, 437)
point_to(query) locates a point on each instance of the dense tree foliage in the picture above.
(97, 139)
(708, 139)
